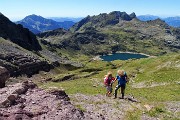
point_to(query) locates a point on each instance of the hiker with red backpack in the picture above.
(108, 80)
(122, 80)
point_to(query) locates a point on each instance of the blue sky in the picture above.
(17, 9)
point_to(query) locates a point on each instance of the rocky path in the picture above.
(111, 109)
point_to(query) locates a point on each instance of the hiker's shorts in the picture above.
(109, 88)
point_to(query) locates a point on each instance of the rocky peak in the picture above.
(103, 20)
(115, 13)
(123, 15)
(132, 15)
(80, 23)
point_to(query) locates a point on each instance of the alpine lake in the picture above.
(123, 56)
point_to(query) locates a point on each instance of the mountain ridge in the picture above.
(118, 31)
(104, 19)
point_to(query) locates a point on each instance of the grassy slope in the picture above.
(152, 81)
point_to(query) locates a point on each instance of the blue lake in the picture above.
(122, 56)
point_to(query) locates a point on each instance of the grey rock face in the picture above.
(19, 64)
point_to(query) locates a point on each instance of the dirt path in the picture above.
(111, 109)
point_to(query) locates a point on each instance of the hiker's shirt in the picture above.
(108, 81)
(122, 80)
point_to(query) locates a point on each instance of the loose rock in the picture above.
(4, 75)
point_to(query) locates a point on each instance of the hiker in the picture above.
(122, 80)
(108, 80)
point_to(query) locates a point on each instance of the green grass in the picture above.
(156, 111)
(84, 86)
(146, 70)
(156, 94)
(149, 71)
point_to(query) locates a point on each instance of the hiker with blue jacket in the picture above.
(122, 80)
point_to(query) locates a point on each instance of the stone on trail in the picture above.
(4, 75)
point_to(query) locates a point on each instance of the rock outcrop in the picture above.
(4, 75)
(18, 64)
(26, 101)
(57, 32)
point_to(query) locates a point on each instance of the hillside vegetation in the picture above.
(154, 82)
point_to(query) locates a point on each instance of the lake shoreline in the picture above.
(98, 57)
(135, 53)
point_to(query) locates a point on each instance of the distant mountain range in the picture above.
(172, 21)
(62, 19)
(38, 24)
(147, 17)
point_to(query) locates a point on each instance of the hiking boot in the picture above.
(122, 96)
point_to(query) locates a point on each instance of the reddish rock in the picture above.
(25, 101)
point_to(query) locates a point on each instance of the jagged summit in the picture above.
(103, 20)
(123, 15)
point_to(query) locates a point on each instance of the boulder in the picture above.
(4, 75)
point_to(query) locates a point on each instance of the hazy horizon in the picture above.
(18, 9)
(50, 17)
